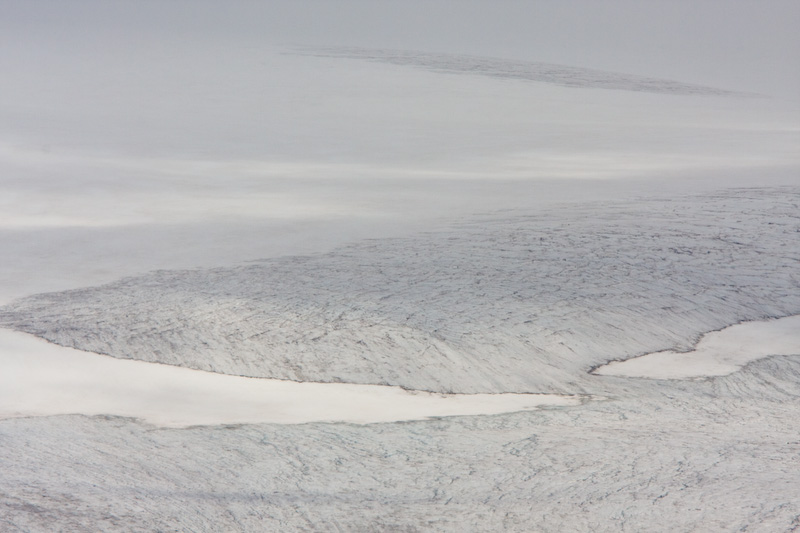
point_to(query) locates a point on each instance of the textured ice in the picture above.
(717, 455)
(553, 293)
(507, 302)
(139, 136)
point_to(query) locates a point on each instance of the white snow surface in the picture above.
(435, 219)
(240, 153)
(43, 379)
(717, 354)
(663, 456)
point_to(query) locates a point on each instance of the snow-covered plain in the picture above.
(179, 184)
(241, 153)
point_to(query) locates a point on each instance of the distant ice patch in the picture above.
(563, 75)
(718, 353)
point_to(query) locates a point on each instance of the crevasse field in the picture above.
(400, 266)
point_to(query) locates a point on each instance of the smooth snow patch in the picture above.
(42, 379)
(718, 353)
